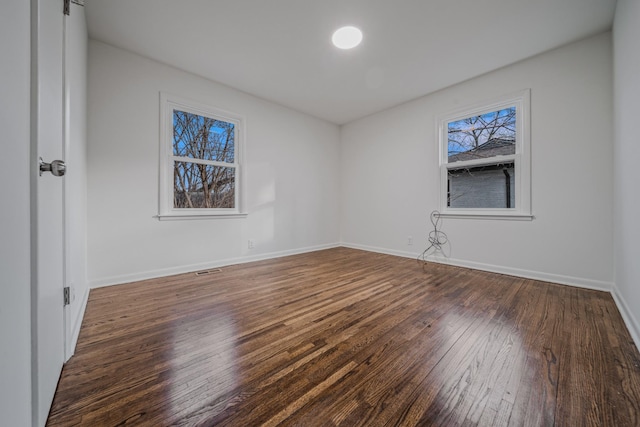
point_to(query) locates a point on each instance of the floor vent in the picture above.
(203, 272)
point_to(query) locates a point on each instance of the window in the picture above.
(484, 160)
(200, 160)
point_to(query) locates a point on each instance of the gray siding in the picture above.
(480, 189)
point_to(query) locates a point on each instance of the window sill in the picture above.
(510, 217)
(180, 217)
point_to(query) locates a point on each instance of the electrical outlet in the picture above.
(410, 241)
(250, 244)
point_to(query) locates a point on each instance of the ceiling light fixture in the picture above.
(347, 37)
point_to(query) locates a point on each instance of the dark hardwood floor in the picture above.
(346, 337)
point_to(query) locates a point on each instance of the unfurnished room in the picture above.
(320, 213)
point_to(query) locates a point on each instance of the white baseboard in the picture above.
(579, 282)
(627, 315)
(528, 274)
(152, 274)
(404, 254)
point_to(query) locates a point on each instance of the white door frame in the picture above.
(66, 147)
(47, 236)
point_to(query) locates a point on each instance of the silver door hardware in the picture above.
(66, 292)
(57, 167)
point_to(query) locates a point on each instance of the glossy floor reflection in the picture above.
(346, 337)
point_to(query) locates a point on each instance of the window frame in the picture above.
(521, 159)
(166, 210)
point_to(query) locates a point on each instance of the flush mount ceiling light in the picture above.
(347, 37)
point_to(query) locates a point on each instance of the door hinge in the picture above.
(67, 295)
(67, 5)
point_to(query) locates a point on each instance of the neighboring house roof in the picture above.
(491, 148)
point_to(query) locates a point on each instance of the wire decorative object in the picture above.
(437, 238)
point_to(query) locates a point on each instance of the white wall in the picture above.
(391, 178)
(76, 176)
(15, 261)
(626, 67)
(292, 171)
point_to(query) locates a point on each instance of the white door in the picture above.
(47, 216)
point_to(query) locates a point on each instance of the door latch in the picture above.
(56, 167)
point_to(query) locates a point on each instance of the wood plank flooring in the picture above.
(343, 337)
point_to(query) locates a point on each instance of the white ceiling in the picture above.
(281, 50)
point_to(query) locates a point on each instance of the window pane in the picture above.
(203, 186)
(479, 137)
(202, 137)
(491, 186)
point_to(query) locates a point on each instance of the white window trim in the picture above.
(522, 159)
(166, 211)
